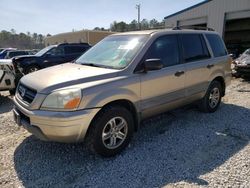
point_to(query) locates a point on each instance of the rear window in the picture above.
(194, 47)
(217, 45)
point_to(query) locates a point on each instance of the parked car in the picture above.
(1, 49)
(14, 53)
(50, 56)
(4, 52)
(125, 78)
(7, 76)
(241, 65)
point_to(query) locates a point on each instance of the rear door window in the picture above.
(194, 47)
(217, 45)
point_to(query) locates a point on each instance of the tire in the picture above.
(12, 91)
(31, 68)
(102, 125)
(211, 101)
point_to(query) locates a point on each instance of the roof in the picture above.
(163, 31)
(143, 32)
(189, 8)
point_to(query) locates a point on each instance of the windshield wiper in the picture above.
(97, 65)
(90, 64)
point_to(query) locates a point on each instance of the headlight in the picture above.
(68, 99)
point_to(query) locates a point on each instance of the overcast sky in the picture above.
(57, 16)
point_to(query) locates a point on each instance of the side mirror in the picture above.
(48, 54)
(152, 64)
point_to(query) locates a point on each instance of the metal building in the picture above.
(230, 18)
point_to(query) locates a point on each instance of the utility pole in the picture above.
(138, 7)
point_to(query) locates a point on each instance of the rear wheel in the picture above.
(211, 101)
(111, 131)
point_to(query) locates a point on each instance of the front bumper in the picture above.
(64, 127)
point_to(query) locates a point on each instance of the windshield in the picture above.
(44, 50)
(114, 52)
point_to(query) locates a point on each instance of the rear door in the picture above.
(197, 60)
(73, 52)
(160, 88)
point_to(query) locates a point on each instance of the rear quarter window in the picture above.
(217, 45)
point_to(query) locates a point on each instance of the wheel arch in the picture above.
(31, 65)
(125, 103)
(221, 80)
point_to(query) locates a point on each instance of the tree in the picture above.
(13, 31)
(40, 38)
(133, 25)
(113, 26)
(21, 40)
(144, 24)
(153, 23)
(35, 38)
(119, 26)
(97, 29)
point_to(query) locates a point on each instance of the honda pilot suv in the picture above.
(127, 77)
(49, 56)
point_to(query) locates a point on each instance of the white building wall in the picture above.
(213, 11)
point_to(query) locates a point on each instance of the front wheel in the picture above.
(12, 91)
(111, 131)
(211, 101)
(31, 68)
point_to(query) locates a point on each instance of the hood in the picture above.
(243, 60)
(22, 57)
(65, 75)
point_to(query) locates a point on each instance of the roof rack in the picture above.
(193, 27)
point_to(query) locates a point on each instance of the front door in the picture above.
(162, 88)
(54, 57)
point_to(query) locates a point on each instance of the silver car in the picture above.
(125, 78)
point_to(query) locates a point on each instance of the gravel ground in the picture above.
(181, 148)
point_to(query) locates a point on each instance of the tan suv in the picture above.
(103, 96)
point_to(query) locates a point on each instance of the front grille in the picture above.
(26, 93)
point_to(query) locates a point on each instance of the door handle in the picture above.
(209, 66)
(179, 73)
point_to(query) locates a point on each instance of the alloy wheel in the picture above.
(114, 132)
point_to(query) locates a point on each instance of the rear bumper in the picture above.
(64, 127)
